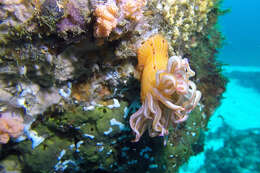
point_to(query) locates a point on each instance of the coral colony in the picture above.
(93, 85)
(106, 19)
(112, 12)
(11, 125)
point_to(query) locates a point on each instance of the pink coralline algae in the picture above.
(11, 125)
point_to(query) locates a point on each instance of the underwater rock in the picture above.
(44, 157)
(14, 13)
(69, 67)
(225, 156)
(11, 164)
(36, 101)
(76, 16)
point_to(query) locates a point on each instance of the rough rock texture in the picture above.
(76, 90)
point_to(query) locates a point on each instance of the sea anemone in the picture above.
(167, 94)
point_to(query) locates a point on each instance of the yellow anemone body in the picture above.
(152, 57)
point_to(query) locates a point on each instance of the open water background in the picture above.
(241, 28)
(233, 140)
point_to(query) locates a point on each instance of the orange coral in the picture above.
(11, 125)
(112, 12)
(167, 94)
(106, 19)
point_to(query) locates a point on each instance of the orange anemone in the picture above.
(167, 93)
(152, 57)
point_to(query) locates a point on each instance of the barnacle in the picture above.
(167, 94)
(106, 19)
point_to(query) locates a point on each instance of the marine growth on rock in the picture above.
(79, 79)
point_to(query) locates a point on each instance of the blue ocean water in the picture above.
(242, 30)
(233, 140)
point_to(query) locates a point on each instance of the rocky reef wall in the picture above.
(69, 79)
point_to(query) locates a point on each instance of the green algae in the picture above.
(106, 146)
(12, 164)
(44, 157)
(69, 129)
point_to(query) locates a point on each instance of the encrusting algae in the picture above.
(167, 94)
(69, 83)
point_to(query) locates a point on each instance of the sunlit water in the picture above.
(233, 140)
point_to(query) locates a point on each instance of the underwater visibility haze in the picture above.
(232, 139)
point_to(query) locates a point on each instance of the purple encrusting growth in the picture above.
(73, 20)
(74, 14)
(66, 24)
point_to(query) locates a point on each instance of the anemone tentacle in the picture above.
(168, 95)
